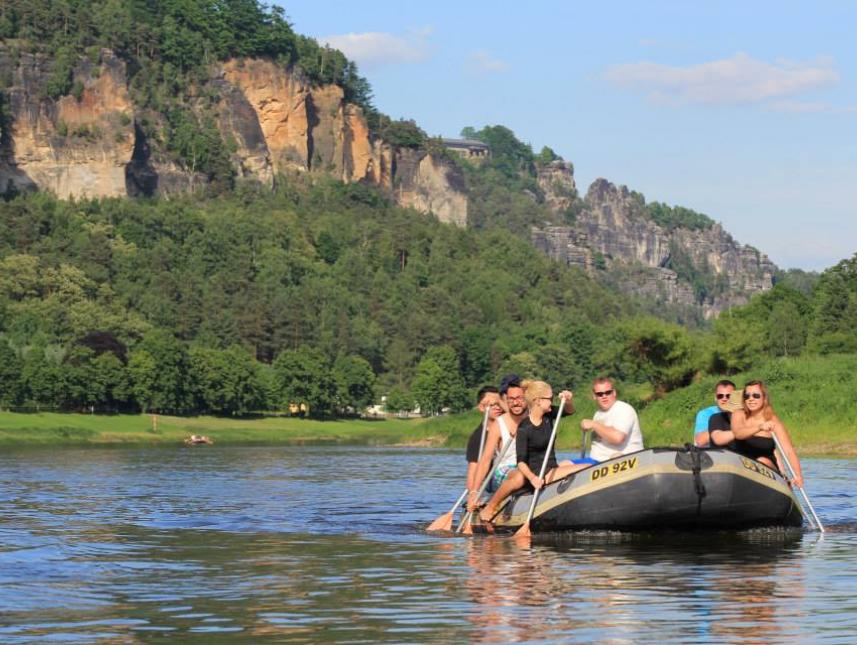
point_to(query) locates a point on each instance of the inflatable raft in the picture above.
(658, 488)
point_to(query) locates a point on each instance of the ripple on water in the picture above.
(328, 543)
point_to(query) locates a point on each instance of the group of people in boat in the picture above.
(519, 417)
(747, 426)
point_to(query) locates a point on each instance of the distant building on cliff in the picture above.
(470, 149)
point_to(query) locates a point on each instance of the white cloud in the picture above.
(738, 80)
(483, 62)
(375, 48)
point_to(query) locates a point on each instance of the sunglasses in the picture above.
(755, 395)
(721, 397)
(604, 393)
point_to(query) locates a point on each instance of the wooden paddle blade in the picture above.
(443, 523)
(467, 529)
(524, 531)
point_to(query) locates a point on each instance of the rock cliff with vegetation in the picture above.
(91, 122)
(673, 255)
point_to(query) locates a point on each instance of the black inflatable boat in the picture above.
(659, 488)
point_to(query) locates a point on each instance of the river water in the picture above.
(218, 544)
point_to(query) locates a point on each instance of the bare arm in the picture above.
(568, 397)
(608, 433)
(721, 437)
(782, 435)
(702, 439)
(742, 427)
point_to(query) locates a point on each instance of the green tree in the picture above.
(10, 375)
(399, 401)
(786, 329)
(355, 382)
(303, 376)
(438, 383)
(225, 381)
(159, 370)
(737, 344)
(42, 379)
(645, 348)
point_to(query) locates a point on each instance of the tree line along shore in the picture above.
(811, 395)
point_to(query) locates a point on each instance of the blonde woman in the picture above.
(531, 444)
(754, 426)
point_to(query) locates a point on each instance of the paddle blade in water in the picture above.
(443, 523)
(524, 531)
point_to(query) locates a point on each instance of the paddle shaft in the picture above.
(486, 480)
(481, 448)
(791, 474)
(583, 444)
(545, 461)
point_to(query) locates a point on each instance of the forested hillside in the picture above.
(325, 293)
(241, 298)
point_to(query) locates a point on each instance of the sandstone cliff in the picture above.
(73, 146)
(92, 144)
(613, 232)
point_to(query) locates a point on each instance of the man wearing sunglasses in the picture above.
(615, 427)
(704, 417)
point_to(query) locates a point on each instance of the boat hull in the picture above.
(660, 488)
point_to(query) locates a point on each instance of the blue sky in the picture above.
(744, 111)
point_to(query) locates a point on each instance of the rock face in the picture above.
(557, 181)
(613, 232)
(93, 144)
(74, 146)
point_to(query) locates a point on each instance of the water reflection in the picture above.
(725, 587)
(301, 545)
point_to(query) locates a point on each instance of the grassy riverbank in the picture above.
(813, 396)
(57, 428)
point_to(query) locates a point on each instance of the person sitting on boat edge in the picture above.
(753, 427)
(487, 397)
(615, 426)
(704, 417)
(501, 435)
(531, 444)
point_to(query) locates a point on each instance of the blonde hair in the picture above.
(534, 390)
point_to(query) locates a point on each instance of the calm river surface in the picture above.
(220, 544)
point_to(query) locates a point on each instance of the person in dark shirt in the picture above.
(752, 429)
(722, 390)
(488, 398)
(531, 443)
(720, 430)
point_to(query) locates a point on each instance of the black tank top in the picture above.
(755, 447)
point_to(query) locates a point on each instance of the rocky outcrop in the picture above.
(298, 127)
(93, 143)
(74, 146)
(556, 181)
(613, 232)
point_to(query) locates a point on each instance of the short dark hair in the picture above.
(485, 389)
(510, 380)
(724, 383)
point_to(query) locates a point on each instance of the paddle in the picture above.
(791, 474)
(461, 524)
(524, 531)
(444, 522)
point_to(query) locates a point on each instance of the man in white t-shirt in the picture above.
(615, 427)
